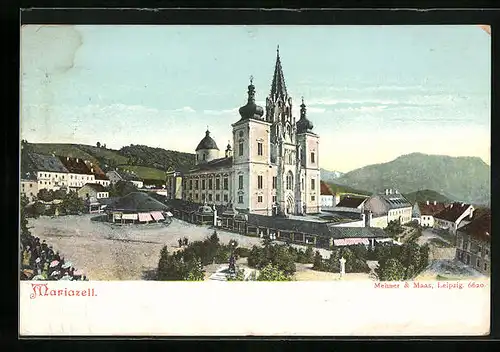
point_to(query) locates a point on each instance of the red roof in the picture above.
(75, 165)
(479, 228)
(452, 212)
(325, 189)
(351, 202)
(431, 208)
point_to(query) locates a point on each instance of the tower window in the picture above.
(240, 199)
(210, 184)
(203, 184)
(210, 197)
(274, 199)
(190, 184)
(217, 197)
(312, 157)
(275, 179)
(259, 199)
(289, 180)
(204, 156)
(196, 184)
(259, 149)
(302, 183)
(240, 182)
(217, 184)
(240, 149)
(259, 182)
(226, 183)
(225, 197)
(313, 184)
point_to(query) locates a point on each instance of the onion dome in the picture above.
(251, 110)
(207, 142)
(303, 125)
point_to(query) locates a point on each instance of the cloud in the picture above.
(185, 109)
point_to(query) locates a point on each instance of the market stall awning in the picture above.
(145, 217)
(157, 215)
(129, 216)
(351, 241)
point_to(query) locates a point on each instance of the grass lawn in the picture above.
(145, 172)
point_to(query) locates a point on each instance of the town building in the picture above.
(119, 175)
(29, 188)
(94, 190)
(49, 171)
(272, 166)
(423, 212)
(328, 198)
(451, 218)
(381, 209)
(99, 175)
(473, 245)
(79, 173)
(351, 204)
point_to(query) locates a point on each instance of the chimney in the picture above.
(435, 203)
(427, 202)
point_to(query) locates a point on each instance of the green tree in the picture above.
(46, 195)
(394, 228)
(239, 276)
(72, 204)
(391, 270)
(318, 263)
(272, 273)
(424, 257)
(194, 271)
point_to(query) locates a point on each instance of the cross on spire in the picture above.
(251, 79)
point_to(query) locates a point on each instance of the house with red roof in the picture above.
(474, 242)
(451, 217)
(423, 212)
(327, 196)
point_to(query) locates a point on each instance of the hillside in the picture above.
(329, 176)
(426, 195)
(458, 178)
(341, 189)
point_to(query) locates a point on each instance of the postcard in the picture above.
(255, 180)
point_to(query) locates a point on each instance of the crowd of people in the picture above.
(39, 261)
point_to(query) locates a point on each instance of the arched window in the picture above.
(289, 180)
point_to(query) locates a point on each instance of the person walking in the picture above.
(180, 243)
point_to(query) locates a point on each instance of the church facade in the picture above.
(272, 166)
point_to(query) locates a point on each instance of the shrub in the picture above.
(391, 270)
(242, 252)
(272, 273)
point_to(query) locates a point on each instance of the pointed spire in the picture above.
(278, 87)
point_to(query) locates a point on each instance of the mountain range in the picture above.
(464, 179)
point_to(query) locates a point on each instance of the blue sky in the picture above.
(372, 92)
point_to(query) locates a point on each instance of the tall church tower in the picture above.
(308, 163)
(283, 140)
(252, 174)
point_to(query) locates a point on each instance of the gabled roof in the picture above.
(452, 212)
(479, 228)
(75, 165)
(325, 189)
(96, 187)
(214, 164)
(431, 208)
(395, 201)
(351, 202)
(39, 162)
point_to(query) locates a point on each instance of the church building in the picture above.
(272, 167)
